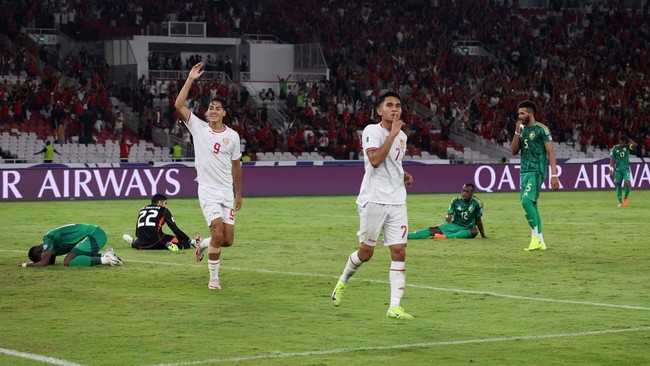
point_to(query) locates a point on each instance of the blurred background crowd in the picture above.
(586, 65)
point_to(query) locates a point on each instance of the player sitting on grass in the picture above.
(463, 219)
(81, 243)
(148, 228)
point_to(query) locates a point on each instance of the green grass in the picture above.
(585, 301)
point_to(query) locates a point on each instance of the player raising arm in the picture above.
(217, 169)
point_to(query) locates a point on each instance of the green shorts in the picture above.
(449, 228)
(531, 184)
(91, 244)
(621, 176)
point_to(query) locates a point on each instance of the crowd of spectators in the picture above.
(586, 68)
(72, 98)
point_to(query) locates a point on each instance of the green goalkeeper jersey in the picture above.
(533, 152)
(621, 156)
(64, 238)
(464, 213)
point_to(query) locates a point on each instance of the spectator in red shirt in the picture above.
(125, 148)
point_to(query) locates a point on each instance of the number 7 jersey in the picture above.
(384, 184)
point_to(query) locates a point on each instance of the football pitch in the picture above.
(584, 301)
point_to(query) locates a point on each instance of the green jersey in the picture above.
(464, 213)
(62, 239)
(533, 152)
(621, 156)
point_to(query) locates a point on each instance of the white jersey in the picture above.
(384, 184)
(214, 151)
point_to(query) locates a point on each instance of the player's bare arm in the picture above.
(45, 260)
(479, 225)
(632, 143)
(376, 157)
(550, 151)
(195, 73)
(514, 145)
(236, 177)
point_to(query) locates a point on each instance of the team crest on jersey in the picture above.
(226, 141)
(471, 208)
(531, 135)
(402, 143)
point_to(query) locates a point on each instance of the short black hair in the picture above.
(223, 102)
(528, 104)
(386, 95)
(34, 258)
(158, 197)
(470, 185)
(32, 253)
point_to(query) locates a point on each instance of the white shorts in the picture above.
(374, 218)
(217, 204)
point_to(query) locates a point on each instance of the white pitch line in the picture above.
(31, 356)
(404, 346)
(424, 287)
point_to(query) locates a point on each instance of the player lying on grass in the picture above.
(463, 219)
(80, 242)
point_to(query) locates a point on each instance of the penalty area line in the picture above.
(405, 346)
(44, 359)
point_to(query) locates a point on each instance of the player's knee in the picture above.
(398, 253)
(216, 241)
(365, 253)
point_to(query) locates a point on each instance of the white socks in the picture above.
(213, 266)
(351, 267)
(204, 243)
(397, 277)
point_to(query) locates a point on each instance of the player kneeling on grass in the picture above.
(81, 243)
(148, 228)
(463, 219)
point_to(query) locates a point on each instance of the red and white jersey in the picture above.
(384, 184)
(214, 152)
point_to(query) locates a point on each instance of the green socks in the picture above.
(85, 261)
(532, 215)
(419, 234)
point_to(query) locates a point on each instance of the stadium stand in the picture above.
(586, 67)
